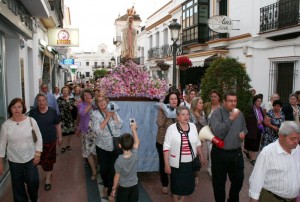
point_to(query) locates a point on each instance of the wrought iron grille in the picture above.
(279, 15)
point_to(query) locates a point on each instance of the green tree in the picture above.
(99, 73)
(226, 75)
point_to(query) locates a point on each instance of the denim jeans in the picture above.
(21, 174)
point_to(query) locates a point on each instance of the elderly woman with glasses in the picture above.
(181, 142)
(106, 125)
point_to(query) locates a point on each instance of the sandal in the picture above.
(69, 147)
(247, 154)
(62, 150)
(47, 187)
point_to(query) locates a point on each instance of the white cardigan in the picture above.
(173, 143)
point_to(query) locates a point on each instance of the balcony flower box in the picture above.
(184, 63)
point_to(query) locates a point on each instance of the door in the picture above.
(285, 80)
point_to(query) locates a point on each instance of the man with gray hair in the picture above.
(276, 175)
(273, 97)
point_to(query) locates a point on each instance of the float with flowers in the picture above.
(129, 81)
(136, 93)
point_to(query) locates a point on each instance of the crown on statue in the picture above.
(131, 11)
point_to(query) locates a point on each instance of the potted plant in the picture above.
(163, 66)
(183, 62)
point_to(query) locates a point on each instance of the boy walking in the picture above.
(126, 169)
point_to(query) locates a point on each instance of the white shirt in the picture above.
(185, 103)
(276, 171)
(17, 138)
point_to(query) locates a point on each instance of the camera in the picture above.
(132, 121)
(110, 107)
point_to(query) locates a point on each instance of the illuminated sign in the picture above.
(68, 61)
(63, 37)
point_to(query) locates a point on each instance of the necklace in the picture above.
(17, 120)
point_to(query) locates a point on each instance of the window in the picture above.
(87, 64)
(157, 39)
(102, 64)
(282, 71)
(195, 14)
(87, 74)
(109, 64)
(95, 64)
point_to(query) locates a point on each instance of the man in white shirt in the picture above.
(276, 175)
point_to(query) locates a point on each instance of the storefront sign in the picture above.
(63, 37)
(220, 23)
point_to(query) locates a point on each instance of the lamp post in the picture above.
(174, 28)
(113, 61)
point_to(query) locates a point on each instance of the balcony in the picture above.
(55, 18)
(280, 15)
(38, 8)
(165, 49)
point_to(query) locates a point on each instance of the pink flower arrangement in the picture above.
(130, 80)
(184, 61)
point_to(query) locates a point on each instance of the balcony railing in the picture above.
(164, 50)
(56, 7)
(279, 15)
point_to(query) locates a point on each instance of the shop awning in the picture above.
(199, 61)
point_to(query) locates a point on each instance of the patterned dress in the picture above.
(67, 122)
(270, 134)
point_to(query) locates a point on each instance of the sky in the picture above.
(95, 19)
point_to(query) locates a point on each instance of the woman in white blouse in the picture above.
(16, 141)
(105, 124)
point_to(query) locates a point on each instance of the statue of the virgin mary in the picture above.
(128, 50)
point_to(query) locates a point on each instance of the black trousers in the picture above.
(223, 163)
(128, 194)
(163, 176)
(107, 161)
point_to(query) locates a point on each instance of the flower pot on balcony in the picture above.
(164, 67)
(183, 67)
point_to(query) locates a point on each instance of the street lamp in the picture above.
(174, 28)
(113, 61)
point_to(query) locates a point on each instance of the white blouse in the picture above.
(16, 137)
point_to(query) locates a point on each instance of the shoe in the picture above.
(47, 187)
(62, 150)
(94, 177)
(209, 171)
(69, 147)
(252, 162)
(165, 190)
(104, 191)
(247, 154)
(196, 181)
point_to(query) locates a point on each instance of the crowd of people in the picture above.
(268, 136)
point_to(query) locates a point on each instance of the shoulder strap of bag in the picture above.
(107, 124)
(31, 122)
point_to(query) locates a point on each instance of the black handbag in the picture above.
(116, 140)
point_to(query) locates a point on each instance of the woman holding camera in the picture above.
(84, 128)
(23, 153)
(106, 124)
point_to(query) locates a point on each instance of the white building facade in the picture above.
(25, 59)
(264, 38)
(87, 62)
